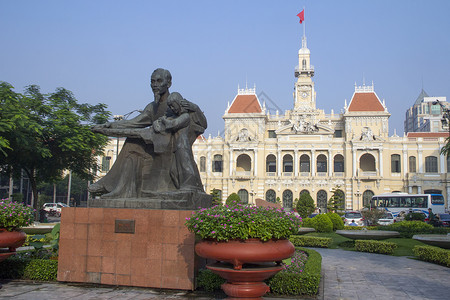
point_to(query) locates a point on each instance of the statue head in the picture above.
(174, 103)
(160, 82)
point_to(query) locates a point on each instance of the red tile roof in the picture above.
(245, 104)
(365, 102)
(427, 134)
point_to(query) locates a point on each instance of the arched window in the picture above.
(271, 163)
(431, 165)
(338, 163)
(287, 199)
(304, 64)
(302, 192)
(271, 196)
(395, 163)
(412, 164)
(287, 163)
(243, 194)
(243, 163)
(202, 164)
(367, 163)
(322, 201)
(217, 163)
(321, 163)
(106, 163)
(305, 166)
(367, 196)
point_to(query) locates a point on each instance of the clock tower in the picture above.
(304, 93)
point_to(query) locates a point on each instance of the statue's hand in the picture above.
(188, 105)
(158, 126)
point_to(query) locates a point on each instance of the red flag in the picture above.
(301, 15)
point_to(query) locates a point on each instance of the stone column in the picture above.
(255, 168)
(330, 163)
(279, 162)
(231, 162)
(381, 162)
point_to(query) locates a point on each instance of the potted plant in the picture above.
(13, 216)
(238, 235)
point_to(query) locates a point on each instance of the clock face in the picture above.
(304, 94)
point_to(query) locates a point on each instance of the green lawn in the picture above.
(404, 245)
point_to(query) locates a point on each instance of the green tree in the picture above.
(216, 197)
(233, 199)
(305, 205)
(336, 201)
(51, 133)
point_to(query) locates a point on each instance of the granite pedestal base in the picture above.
(153, 248)
(180, 200)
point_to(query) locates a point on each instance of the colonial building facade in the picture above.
(270, 156)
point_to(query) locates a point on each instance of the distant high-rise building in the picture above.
(425, 115)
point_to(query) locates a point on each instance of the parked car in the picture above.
(444, 220)
(351, 216)
(387, 219)
(54, 208)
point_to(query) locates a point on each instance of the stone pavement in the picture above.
(356, 275)
(346, 275)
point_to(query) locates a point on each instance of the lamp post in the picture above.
(117, 118)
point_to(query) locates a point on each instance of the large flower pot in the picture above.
(259, 258)
(239, 252)
(12, 239)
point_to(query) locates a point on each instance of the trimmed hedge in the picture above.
(34, 269)
(409, 228)
(321, 223)
(373, 246)
(305, 283)
(209, 281)
(433, 254)
(310, 241)
(360, 227)
(338, 224)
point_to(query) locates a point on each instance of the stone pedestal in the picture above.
(130, 247)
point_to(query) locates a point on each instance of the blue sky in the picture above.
(105, 51)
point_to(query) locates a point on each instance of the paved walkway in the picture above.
(346, 275)
(356, 275)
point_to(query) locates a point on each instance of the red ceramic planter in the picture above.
(239, 252)
(12, 239)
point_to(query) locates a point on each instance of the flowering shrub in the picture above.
(223, 223)
(297, 264)
(14, 215)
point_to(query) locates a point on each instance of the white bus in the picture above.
(396, 203)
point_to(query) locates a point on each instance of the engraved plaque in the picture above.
(124, 226)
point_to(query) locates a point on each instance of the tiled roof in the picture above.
(245, 104)
(427, 134)
(201, 138)
(365, 102)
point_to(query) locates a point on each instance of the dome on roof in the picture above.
(303, 51)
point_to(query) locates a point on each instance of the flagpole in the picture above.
(304, 25)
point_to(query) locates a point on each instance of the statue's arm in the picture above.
(176, 123)
(199, 116)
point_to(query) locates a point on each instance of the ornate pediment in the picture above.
(304, 127)
(367, 136)
(244, 136)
